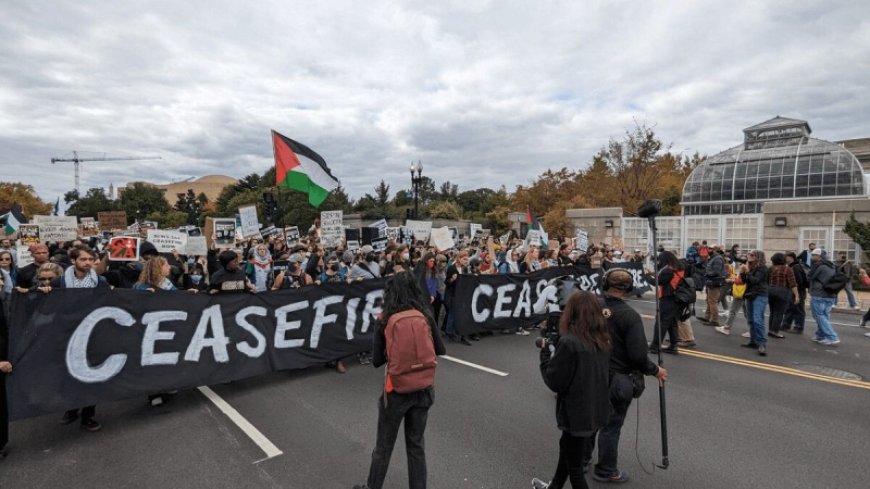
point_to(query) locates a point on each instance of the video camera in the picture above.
(557, 293)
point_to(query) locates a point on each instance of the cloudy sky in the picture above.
(485, 93)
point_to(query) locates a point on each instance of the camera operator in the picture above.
(628, 364)
(578, 372)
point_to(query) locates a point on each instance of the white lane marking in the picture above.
(253, 433)
(474, 365)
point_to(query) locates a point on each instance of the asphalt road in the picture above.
(736, 420)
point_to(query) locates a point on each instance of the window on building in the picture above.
(742, 231)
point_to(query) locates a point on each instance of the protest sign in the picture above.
(221, 231)
(379, 244)
(441, 238)
(123, 248)
(353, 244)
(533, 238)
(28, 234)
(407, 236)
(269, 231)
(331, 232)
(454, 233)
(57, 228)
(248, 221)
(582, 239)
(351, 234)
(381, 227)
(150, 225)
(22, 256)
(167, 241)
(88, 227)
(504, 238)
(196, 246)
(473, 228)
(291, 234)
(392, 233)
(111, 220)
(419, 229)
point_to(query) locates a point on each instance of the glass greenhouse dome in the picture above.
(777, 161)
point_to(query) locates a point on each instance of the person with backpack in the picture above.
(754, 275)
(671, 310)
(823, 298)
(407, 340)
(715, 273)
(577, 369)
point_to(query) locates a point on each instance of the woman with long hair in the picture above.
(782, 291)
(754, 275)
(577, 369)
(401, 294)
(8, 271)
(530, 261)
(259, 267)
(155, 276)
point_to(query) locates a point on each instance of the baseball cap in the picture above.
(818, 251)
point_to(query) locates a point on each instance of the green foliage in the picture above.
(25, 196)
(445, 210)
(90, 204)
(860, 234)
(192, 206)
(140, 199)
(170, 219)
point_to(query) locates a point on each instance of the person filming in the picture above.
(577, 369)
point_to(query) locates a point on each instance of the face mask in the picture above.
(196, 278)
(406, 257)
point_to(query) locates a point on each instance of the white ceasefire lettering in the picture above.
(283, 325)
(211, 319)
(524, 301)
(321, 318)
(480, 315)
(77, 348)
(371, 310)
(351, 317)
(242, 320)
(503, 299)
(153, 334)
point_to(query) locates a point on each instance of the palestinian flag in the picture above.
(13, 219)
(298, 167)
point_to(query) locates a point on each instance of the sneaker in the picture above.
(686, 344)
(762, 350)
(156, 401)
(829, 342)
(539, 484)
(856, 308)
(723, 330)
(91, 424)
(618, 477)
(746, 335)
(816, 339)
(69, 417)
(464, 341)
(723, 314)
(522, 332)
(867, 335)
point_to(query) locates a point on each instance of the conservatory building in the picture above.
(778, 190)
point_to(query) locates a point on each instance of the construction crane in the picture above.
(76, 161)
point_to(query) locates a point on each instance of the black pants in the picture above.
(670, 313)
(87, 412)
(436, 308)
(778, 300)
(796, 314)
(574, 452)
(621, 391)
(866, 317)
(414, 409)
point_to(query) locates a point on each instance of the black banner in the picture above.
(77, 347)
(497, 302)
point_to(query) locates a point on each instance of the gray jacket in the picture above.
(715, 272)
(819, 275)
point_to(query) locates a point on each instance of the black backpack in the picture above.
(685, 292)
(836, 283)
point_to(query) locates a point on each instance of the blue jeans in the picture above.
(850, 295)
(756, 307)
(821, 307)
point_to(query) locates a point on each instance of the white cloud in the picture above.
(485, 93)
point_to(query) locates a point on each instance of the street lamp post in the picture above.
(416, 180)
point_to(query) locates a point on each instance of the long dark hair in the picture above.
(669, 259)
(584, 319)
(401, 293)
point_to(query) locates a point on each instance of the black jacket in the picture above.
(581, 379)
(756, 282)
(630, 347)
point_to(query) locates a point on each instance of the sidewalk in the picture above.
(861, 297)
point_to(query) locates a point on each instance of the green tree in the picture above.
(140, 199)
(170, 219)
(25, 196)
(448, 191)
(378, 205)
(860, 234)
(93, 202)
(445, 210)
(192, 205)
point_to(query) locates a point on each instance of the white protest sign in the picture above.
(166, 241)
(57, 228)
(391, 233)
(419, 229)
(504, 238)
(291, 233)
(196, 246)
(473, 228)
(331, 231)
(248, 218)
(442, 238)
(381, 226)
(379, 244)
(533, 238)
(22, 256)
(582, 239)
(353, 244)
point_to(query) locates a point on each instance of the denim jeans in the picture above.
(821, 307)
(796, 314)
(850, 296)
(757, 305)
(414, 409)
(736, 306)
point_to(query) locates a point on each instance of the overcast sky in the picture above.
(485, 93)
